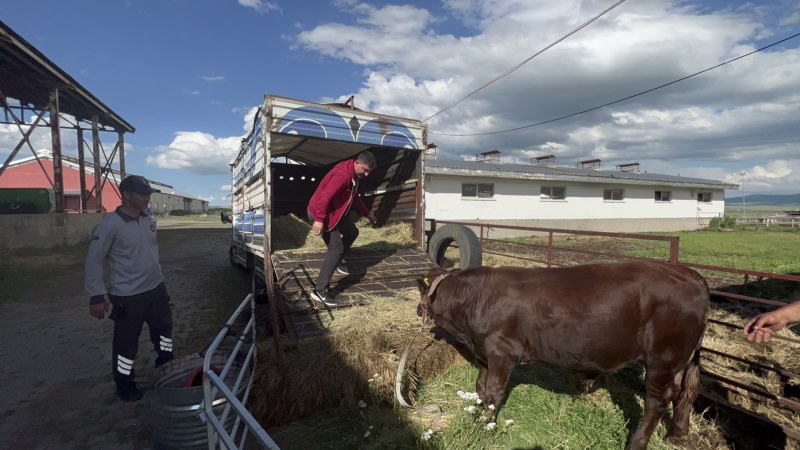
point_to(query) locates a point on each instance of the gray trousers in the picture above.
(339, 240)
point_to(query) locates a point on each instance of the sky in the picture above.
(188, 75)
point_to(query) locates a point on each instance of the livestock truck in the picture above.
(292, 145)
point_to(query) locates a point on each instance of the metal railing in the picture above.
(222, 432)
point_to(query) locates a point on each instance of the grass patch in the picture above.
(751, 249)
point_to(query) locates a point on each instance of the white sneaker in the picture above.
(324, 298)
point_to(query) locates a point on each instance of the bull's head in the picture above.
(427, 290)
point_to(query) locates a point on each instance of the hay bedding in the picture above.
(355, 361)
(293, 233)
(780, 354)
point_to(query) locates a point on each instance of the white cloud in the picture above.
(225, 188)
(197, 152)
(740, 115)
(212, 78)
(260, 5)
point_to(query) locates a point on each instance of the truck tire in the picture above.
(469, 246)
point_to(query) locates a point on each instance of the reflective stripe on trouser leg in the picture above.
(165, 344)
(124, 365)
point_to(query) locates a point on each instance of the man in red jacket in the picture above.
(328, 208)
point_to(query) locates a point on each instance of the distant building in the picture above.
(542, 195)
(27, 173)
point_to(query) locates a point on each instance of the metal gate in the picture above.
(225, 385)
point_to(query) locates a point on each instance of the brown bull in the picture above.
(594, 318)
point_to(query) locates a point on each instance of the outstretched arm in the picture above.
(761, 327)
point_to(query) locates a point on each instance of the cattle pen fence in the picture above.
(745, 383)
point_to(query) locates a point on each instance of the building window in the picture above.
(663, 196)
(554, 192)
(704, 197)
(613, 194)
(479, 190)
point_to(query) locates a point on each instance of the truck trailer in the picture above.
(292, 145)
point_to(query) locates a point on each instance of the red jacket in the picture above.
(337, 190)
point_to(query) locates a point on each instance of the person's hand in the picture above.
(317, 227)
(371, 218)
(99, 310)
(761, 327)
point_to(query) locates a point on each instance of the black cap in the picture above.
(137, 184)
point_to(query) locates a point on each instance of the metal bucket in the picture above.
(178, 399)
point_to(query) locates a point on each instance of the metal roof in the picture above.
(29, 76)
(548, 173)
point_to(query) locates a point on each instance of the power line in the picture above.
(622, 99)
(508, 72)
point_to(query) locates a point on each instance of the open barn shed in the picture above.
(36, 94)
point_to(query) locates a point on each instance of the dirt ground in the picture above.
(55, 359)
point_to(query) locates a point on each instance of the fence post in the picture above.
(674, 245)
(549, 248)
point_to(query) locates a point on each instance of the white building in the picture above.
(569, 198)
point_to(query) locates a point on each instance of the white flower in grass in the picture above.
(470, 409)
(427, 434)
(478, 401)
(509, 422)
(490, 425)
(371, 427)
(376, 376)
(491, 407)
(362, 404)
(366, 435)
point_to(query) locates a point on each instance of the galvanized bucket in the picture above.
(178, 399)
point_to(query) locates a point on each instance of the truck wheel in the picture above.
(469, 246)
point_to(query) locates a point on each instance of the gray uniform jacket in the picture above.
(130, 247)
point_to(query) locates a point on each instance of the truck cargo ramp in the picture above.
(374, 274)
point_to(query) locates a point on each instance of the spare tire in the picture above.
(469, 246)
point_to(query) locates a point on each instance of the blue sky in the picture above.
(186, 74)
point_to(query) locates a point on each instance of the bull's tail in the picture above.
(689, 390)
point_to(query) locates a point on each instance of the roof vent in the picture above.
(628, 167)
(546, 160)
(490, 156)
(589, 164)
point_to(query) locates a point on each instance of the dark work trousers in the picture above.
(338, 240)
(129, 314)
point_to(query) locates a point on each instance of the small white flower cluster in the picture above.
(368, 432)
(427, 434)
(490, 425)
(469, 396)
(471, 409)
(509, 422)
(362, 404)
(374, 378)
(491, 408)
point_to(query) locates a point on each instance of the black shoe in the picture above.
(129, 392)
(342, 268)
(325, 298)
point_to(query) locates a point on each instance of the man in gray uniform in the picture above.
(126, 239)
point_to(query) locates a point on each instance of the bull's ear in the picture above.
(423, 287)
